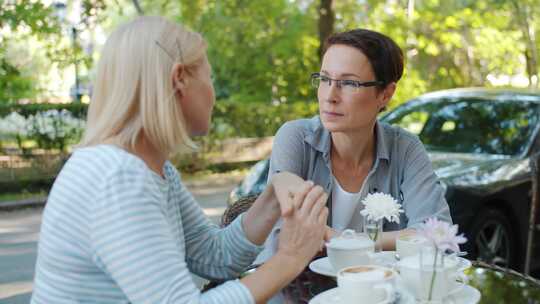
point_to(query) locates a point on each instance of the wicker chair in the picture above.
(237, 208)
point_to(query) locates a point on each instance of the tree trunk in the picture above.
(523, 17)
(326, 23)
(138, 7)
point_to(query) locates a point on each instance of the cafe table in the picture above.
(496, 285)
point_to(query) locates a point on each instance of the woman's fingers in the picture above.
(300, 196)
(310, 200)
(319, 205)
(323, 216)
(329, 233)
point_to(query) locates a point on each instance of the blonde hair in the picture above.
(133, 90)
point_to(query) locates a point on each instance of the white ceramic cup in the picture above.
(417, 274)
(349, 249)
(367, 284)
(409, 245)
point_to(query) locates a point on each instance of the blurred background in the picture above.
(262, 53)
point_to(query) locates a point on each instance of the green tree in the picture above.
(20, 20)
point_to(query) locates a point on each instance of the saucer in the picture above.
(465, 295)
(323, 266)
(463, 264)
(331, 296)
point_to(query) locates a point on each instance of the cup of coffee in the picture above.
(409, 244)
(367, 284)
(420, 270)
(349, 249)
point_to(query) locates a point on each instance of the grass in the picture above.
(7, 197)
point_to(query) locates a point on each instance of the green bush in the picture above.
(51, 129)
(230, 118)
(78, 110)
(235, 119)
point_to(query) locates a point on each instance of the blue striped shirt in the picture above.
(113, 231)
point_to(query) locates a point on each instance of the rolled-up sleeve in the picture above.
(423, 195)
(288, 150)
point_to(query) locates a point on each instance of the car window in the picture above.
(258, 171)
(471, 125)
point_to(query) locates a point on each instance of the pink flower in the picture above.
(442, 234)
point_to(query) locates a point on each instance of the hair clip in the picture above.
(168, 54)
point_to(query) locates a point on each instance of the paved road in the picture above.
(19, 233)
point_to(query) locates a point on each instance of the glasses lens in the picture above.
(348, 87)
(315, 81)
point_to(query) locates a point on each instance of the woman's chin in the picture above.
(332, 126)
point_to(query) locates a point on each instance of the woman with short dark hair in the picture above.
(347, 151)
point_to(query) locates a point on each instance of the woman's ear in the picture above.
(387, 94)
(179, 78)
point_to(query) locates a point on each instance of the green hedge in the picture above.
(27, 184)
(230, 118)
(77, 109)
(234, 119)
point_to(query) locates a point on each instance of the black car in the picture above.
(480, 142)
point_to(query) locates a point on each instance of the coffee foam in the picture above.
(366, 274)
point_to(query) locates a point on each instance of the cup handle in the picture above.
(348, 233)
(388, 290)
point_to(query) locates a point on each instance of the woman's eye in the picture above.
(349, 83)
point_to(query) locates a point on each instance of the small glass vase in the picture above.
(373, 229)
(432, 275)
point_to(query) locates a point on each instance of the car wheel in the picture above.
(492, 239)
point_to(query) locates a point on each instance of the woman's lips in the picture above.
(330, 114)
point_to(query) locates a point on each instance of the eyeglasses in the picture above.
(346, 85)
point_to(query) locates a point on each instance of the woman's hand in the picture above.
(304, 229)
(330, 233)
(276, 201)
(286, 185)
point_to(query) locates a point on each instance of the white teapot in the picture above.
(349, 249)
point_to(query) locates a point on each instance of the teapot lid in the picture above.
(350, 240)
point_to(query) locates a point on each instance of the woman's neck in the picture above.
(154, 159)
(353, 149)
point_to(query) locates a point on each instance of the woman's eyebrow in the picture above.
(342, 75)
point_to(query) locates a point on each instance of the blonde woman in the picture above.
(119, 226)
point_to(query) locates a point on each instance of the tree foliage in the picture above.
(265, 50)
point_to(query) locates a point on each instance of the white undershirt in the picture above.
(344, 204)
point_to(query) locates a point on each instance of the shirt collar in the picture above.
(319, 138)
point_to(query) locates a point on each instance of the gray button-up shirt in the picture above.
(402, 169)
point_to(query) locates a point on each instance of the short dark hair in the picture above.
(385, 56)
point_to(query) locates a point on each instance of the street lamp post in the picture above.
(60, 10)
(76, 63)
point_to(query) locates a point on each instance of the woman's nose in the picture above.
(332, 92)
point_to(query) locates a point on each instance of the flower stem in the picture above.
(433, 275)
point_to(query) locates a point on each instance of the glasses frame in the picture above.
(339, 82)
